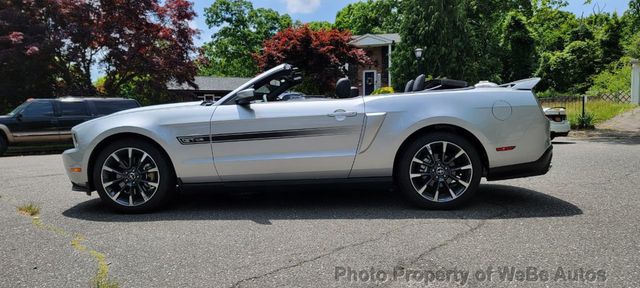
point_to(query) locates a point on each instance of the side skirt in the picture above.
(376, 182)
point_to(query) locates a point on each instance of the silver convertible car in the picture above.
(435, 141)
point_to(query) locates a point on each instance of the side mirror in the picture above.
(19, 117)
(244, 97)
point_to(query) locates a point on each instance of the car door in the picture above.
(288, 140)
(37, 122)
(71, 113)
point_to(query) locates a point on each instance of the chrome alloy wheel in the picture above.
(441, 171)
(130, 177)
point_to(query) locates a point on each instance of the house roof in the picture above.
(206, 83)
(375, 40)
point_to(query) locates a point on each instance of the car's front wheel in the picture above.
(133, 176)
(3, 144)
(439, 171)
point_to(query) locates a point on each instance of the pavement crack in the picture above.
(101, 279)
(458, 236)
(335, 250)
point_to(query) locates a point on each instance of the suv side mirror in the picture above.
(244, 97)
(19, 116)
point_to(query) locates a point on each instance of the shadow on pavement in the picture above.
(563, 143)
(492, 202)
(609, 136)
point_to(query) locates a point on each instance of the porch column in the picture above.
(635, 81)
(389, 66)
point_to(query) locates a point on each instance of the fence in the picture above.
(574, 101)
(580, 107)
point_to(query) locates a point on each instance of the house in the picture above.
(209, 88)
(379, 48)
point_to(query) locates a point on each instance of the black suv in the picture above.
(51, 120)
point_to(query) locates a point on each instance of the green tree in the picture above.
(569, 70)
(317, 25)
(551, 27)
(439, 28)
(485, 20)
(240, 31)
(610, 40)
(519, 47)
(372, 16)
(632, 48)
(633, 16)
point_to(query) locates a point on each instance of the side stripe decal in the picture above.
(266, 135)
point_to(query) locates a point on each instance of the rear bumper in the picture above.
(559, 128)
(536, 168)
(554, 134)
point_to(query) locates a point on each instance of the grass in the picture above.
(101, 280)
(600, 110)
(29, 210)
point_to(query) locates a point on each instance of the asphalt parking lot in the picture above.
(580, 220)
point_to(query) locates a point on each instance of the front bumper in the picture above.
(73, 159)
(536, 168)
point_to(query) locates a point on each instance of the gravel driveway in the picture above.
(581, 220)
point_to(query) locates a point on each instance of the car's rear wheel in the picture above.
(439, 171)
(133, 176)
(3, 144)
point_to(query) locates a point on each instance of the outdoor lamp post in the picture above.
(418, 53)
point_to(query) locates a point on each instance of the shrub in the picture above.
(585, 121)
(383, 90)
(616, 79)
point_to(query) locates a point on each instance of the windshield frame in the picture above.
(229, 98)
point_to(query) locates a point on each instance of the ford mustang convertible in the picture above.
(435, 141)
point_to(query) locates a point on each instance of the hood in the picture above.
(4, 117)
(156, 107)
(142, 110)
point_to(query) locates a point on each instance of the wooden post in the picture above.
(635, 81)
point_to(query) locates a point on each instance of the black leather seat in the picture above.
(343, 88)
(418, 84)
(409, 87)
(355, 92)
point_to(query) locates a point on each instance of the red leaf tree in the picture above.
(147, 42)
(321, 55)
(141, 43)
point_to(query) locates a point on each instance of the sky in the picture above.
(325, 10)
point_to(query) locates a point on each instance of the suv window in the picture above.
(38, 109)
(110, 107)
(75, 108)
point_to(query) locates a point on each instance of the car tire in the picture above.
(3, 144)
(429, 180)
(133, 176)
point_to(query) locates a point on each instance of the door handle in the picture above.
(342, 113)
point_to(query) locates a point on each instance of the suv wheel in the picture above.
(132, 176)
(439, 171)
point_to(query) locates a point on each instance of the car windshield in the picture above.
(18, 109)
